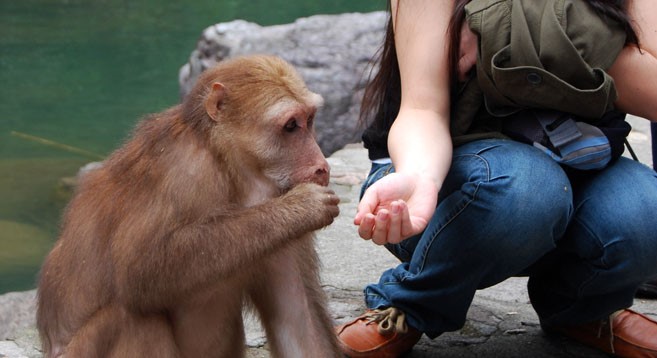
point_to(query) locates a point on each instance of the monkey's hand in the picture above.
(315, 206)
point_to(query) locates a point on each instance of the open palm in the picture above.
(396, 207)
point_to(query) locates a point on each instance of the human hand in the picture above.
(396, 207)
(468, 48)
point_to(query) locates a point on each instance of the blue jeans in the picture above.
(506, 209)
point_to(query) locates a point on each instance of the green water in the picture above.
(80, 73)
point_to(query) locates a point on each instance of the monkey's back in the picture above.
(111, 205)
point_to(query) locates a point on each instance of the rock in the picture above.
(333, 53)
(18, 334)
(17, 311)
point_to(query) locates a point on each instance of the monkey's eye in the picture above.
(291, 125)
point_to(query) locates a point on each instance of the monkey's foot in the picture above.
(377, 333)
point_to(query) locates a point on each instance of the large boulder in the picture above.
(333, 53)
(18, 334)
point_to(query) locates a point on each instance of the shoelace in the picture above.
(390, 320)
(608, 324)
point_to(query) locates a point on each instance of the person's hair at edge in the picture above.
(382, 96)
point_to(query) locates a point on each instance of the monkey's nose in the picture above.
(322, 175)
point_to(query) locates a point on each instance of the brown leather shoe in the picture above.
(377, 334)
(626, 334)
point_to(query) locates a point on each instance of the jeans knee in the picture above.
(614, 222)
(538, 206)
(633, 258)
(526, 183)
(523, 225)
(522, 197)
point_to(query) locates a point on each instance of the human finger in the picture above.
(465, 65)
(406, 224)
(380, 233)
(467, 52)
(366, 205)
(366, 226)
(394, 228)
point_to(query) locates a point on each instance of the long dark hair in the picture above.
(382, 95)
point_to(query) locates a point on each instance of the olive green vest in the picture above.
(549, 54)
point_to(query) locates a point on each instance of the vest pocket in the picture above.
(534, 87)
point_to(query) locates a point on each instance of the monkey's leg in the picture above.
(292, 304)
(146, 336)
(96, 337)
(210, 324)
(114, 332)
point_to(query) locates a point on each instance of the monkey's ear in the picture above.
(214, 100)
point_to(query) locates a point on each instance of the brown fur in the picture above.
(209, 203)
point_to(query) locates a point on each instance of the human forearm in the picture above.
(419, 141)
(401, 204)
(419, 144)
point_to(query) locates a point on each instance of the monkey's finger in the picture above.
(332, 202)
(335, 210)
(333, 199)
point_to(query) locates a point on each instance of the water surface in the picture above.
(75, 76)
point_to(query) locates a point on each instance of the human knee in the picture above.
(633, 257)
(534, 198)
(522, 191)
(616, 215)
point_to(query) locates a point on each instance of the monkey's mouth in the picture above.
(285, 185)
(321, 181)
(318, 179)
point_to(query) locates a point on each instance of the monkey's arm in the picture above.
(212, 248)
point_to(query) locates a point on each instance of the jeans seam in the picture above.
(451, 219)
(602, 247)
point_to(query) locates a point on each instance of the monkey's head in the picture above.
(258, 115)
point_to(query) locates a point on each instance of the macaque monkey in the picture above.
(210, 206)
